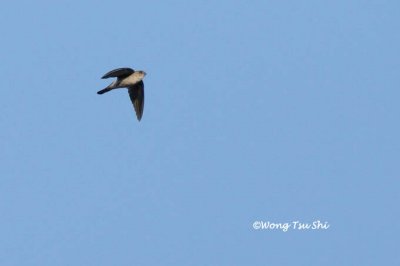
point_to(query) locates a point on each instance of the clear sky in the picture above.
(270, 111)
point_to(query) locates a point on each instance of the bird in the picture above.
(133, 81)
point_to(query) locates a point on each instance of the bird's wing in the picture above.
(119, 72)
(136, 93)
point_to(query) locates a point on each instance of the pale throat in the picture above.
(132, 79)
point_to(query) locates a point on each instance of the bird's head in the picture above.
(140, 74)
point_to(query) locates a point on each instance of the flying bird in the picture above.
(131, 79)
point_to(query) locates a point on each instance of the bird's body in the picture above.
(131, 79)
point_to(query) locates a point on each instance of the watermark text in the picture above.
(292, 225)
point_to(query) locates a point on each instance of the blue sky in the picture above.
(271, 111)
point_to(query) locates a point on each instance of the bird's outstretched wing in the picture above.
(119, 72)
(136, 93)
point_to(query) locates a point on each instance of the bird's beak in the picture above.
(144, 73)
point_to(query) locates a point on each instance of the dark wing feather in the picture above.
(119, 72)
(136, 93)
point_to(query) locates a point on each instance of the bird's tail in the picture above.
(104, 90)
